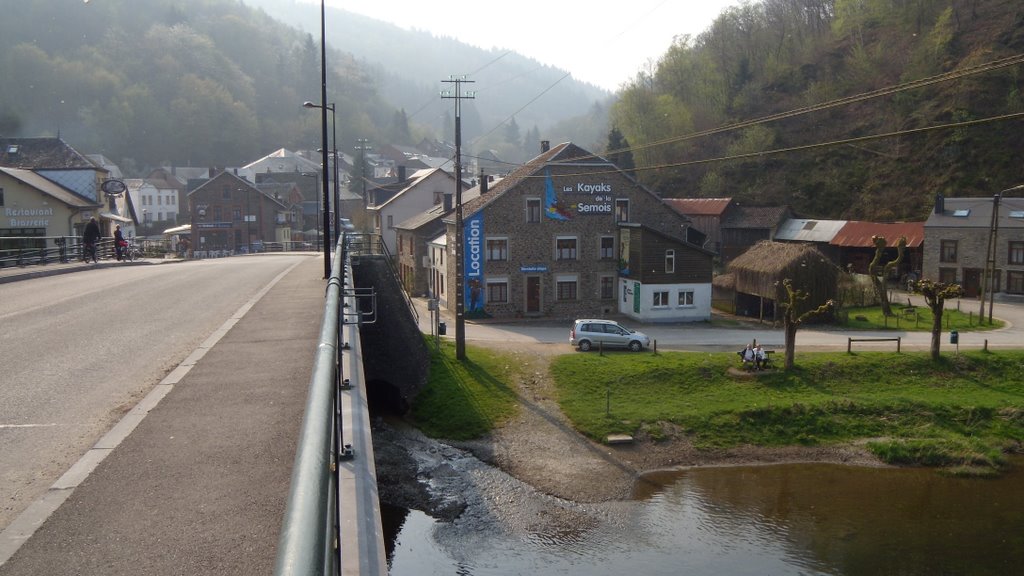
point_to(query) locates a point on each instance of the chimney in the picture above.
(483, 183)
(447, 202)
(401, 173)
(545, 145)
(940, 204)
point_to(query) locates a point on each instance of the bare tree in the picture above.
(792, 320)
(935, 295)
(879, 272)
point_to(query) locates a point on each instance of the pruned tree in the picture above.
(935, 295)
(879, 272)
(792, 319)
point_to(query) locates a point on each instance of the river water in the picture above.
(801, 519)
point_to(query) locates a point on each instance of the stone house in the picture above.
(547, 239)
(957, 235)
(230, 215)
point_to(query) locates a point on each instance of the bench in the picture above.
(850, 341)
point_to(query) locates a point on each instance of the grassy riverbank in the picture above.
(963, 413)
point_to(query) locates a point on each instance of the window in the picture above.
(1016, 253)
(1, 196)
(670, 261)
(685, 298)
(947, 275)
(565, 248)
(225, 192)
(622, 210)
(497, 249)
(660, 299)
(947, 251)
(607, 287)
(533, 210)
(565, 288)
(1014, 282)
(236, 214)
(497, 291)
(607, 247)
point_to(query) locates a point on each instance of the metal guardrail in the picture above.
(328, 477)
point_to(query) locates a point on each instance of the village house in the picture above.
(957, 235)
(398, 202)
(231, 215)
(565, 236)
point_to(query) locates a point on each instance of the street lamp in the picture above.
(334, 138)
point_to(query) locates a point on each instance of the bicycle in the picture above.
(89, 251)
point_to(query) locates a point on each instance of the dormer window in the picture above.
(13, 148)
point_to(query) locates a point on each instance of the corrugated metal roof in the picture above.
(699, 206)
(858, 234)
(806, 230)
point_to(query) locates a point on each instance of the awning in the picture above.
(114, 217)
(183, 229)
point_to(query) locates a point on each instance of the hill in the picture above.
(846, 109)
(220, 82)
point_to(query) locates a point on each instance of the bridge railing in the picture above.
(332, 520)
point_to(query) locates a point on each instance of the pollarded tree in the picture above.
(879, 272)
(935, 295)
(792, 320)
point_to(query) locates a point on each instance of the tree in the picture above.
(792, 320)
(879, 272)
(935, 295)
(618, 151)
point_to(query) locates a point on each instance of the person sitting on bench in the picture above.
(748, 357)
(760, 358)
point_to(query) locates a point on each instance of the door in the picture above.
(972, 282)
(533, 294)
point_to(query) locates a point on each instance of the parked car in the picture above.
(589, 333)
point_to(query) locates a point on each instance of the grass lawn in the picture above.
(917, 319)
(961, 413)
(465, 400)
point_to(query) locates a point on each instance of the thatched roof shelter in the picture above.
(760, 271)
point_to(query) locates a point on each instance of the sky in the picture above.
(605, 44)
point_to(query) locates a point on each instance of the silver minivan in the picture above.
(590, 333)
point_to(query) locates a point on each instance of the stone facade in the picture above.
(956, 244)
(545, 240)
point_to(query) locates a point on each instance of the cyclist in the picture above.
(90, 237)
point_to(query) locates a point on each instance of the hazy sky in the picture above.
(605, 43)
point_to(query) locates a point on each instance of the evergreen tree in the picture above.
(618, 151)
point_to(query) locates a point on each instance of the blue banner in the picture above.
(473, 254)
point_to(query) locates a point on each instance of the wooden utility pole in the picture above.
(460, 265)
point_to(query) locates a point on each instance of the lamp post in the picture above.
(334, 151)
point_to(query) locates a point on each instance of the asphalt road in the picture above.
(726, 333)
(79, 350)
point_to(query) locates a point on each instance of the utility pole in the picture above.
(362, 147)
(460, 280)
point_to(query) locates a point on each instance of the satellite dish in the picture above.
(113, 187)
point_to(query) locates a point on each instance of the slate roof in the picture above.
(858, 234)
(40, 153)
(755, 217)
(49, 187)
(977, 213)
(699, 206)
(567, 152)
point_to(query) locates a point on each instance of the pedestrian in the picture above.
(759, 358)
(119, 242)
(90, 237)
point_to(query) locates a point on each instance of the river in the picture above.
(804, 519)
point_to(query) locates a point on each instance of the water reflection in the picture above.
(788, 519)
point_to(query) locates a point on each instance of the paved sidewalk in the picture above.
(199, 486)
(15, 273)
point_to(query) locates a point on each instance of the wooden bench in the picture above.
(850, 341)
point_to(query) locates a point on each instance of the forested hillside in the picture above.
(220, 83)
(859, 109)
